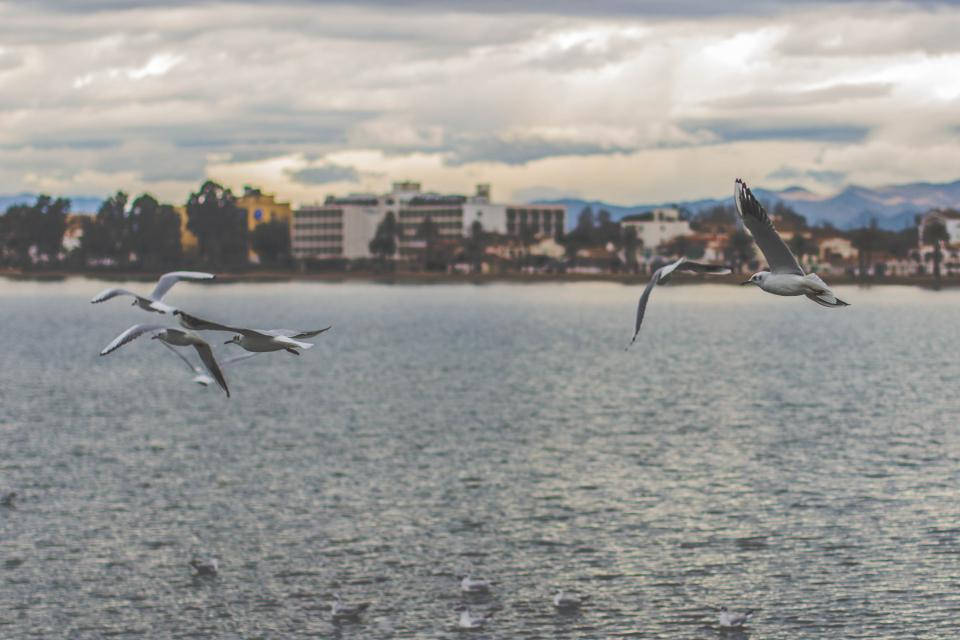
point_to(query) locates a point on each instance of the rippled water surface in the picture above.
(751, 450)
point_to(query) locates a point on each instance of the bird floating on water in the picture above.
(730, 620)
(177, 338)
(257, 340)
(154, 301)
(567, 601)
(341, 611)
(472, 621)
(663, 274)
(206, 567)
(474, 585)
(785, 276)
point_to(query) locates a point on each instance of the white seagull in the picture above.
(474, 585)
(199, 376)
(206, 567)
(567, 601)
(729, 620)
(785, 276)
(663, 274)
(257, 340)
(154, 301)
(471, 621)
(341, 611)
(177, 338)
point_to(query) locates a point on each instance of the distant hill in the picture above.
(78, 204)
(894, 206)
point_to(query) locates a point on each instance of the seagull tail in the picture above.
(827, 300)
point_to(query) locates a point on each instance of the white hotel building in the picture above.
(343, 227)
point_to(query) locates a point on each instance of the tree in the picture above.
(935, 233)
(384, 243)
(865, 240)
(154, 233)
(107, 235)
(583, 234)
(801, 246)
(429, 232)
(271, 241)
(38, 227)
(220, 226)
(607, 230)
(739, 249)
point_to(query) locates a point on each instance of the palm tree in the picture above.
(935, 233)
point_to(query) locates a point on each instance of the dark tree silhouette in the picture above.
(220, 226)
(39, 227)
(739, 249)
(384, 243)
(429, 232)
(154, 233)
(271, 241)
(935, 233)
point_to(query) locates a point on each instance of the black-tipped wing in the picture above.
(199, 324)
(132, 333)
(699, 267)
(642, 305)
(193, 368)
(167, 280)
(206, 357)
(296, 335)
(775, 250)
(106, 294)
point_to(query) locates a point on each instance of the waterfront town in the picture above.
(412, 230)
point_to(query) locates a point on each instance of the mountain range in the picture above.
(894, 207)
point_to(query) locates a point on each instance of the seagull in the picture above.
(663, 274)
(341, 611)
(153, 302)
(177, 338)
(257, 340)
(206, 567)
(9, 500)
(730, 620)
(567, 601)
(471, 585)
(199, 376)
(470, 620)
(785, 277)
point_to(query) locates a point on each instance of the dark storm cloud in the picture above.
(741, 130)
(466, 149)
(324, 174)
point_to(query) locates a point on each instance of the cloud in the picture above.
(324, 174)
(825, 177)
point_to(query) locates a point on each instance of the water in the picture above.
(751, 450)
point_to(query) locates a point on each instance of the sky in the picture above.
(622, 101)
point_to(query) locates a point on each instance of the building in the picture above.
(260, 208)
(950, 220)
(656, 227)
(833, 247)
(188, 241)
(342, 227)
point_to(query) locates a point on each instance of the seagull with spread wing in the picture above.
(663, 274)
(154, 301)
(177, 338)
(257, 340)
(785, 276)
(199, 376)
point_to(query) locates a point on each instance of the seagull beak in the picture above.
(228, 342)
(747, 282)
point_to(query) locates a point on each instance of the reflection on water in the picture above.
(750, 450)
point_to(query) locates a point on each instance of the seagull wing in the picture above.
(775, 250)
(106, 294)
(167, 280)
(193, 368)
(199, 324)
(699, 267)
(296, 335)
(132, 333)
(206, 357)
(642, 306)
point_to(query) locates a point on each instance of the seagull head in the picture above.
(756, 278)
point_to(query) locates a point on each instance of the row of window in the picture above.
(318, 213)
(320, 238)
(437, 213)
(301, 226)
(314, 251)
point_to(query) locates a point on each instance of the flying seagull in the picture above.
(663, 274)
(729, 620)
(177, 338)
(341, 611)
(199, 376)
(257, 340)
(785, 277)
(154, 301)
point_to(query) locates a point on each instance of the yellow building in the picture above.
(188, 241)
(260, 208)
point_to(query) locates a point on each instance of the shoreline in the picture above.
(422, 278)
